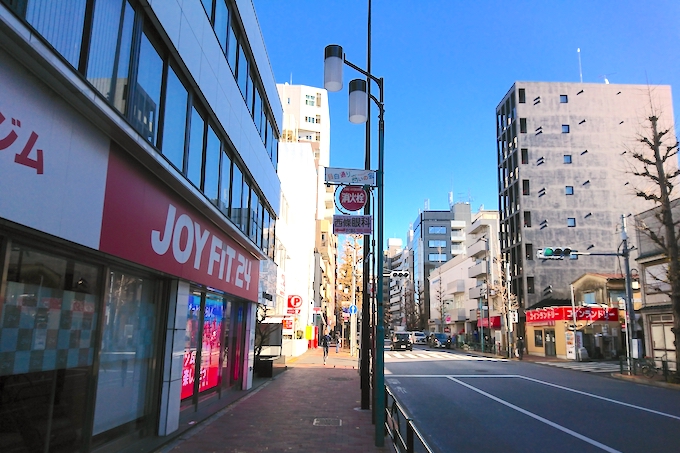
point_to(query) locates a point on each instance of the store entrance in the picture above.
(550, 350)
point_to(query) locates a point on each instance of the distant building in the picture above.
(306, 119)
(563, 180)
(437, 236)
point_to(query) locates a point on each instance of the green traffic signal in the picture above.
(548, 252)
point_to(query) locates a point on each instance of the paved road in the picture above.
(463, 403)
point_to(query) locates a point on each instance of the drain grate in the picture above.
(327, 422)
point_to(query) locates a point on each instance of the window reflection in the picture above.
(175, 120)
(212, 166)
(195, 159)
(147, 95)
(127, 351)
(225, 183)
(108, 64)
(236, 196)
(60, 23)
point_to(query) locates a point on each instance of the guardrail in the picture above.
(405, 436)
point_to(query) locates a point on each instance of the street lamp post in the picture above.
(358, 113)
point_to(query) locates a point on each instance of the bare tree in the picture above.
(654, 161)
(441, 303)
(411, 308)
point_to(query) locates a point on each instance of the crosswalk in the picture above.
(591, 367)
(393, 356)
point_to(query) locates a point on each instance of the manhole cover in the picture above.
(327, 422)
(339, 379)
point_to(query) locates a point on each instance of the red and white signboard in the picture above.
(551, 314)
(294, 301)
(144, 224)
(352, 198)
(352, 224)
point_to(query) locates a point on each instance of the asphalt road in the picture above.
(463, 403)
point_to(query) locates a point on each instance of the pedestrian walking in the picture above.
(520, 348)
(325, 342)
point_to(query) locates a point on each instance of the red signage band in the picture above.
(567, 314)
(144, 223)
(353, 198)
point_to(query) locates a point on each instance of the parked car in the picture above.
(439, 340)
(401, 340)
(419, 338)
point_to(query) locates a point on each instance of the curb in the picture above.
(645, 381)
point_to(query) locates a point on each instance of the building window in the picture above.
(522, 96)
(146, 97)
(174, 120)
(437, 257)
(436, 243)
(523, 125)
(569, 190)
(525, 187)
(318, 99)
(437, 230)
(530, 285)
(571, 221)
(565, 128)
(309, 100)
(538, 338)
(195, 157)
(529, 248)
(525, 156)
(563, 99)
(317, 137)
(567, 158)
(527, 219)
(318, 119)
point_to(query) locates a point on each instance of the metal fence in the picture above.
(405, 436)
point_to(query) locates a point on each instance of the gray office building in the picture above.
(564, 178)
(436, 237)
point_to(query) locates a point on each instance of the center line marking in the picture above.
(537, 417)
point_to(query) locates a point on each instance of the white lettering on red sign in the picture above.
(187, 238)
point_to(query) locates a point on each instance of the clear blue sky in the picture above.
(447, 64)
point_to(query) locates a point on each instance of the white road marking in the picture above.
(538, 417)
(455, 375)
(664, 414)
(391, 355)
(396, 354)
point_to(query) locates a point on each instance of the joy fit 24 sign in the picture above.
(143, 223)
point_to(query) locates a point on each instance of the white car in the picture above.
(419, 338)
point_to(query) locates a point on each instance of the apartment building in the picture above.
(564, 180)
(436, 237)
(306, 119)
(138, 170)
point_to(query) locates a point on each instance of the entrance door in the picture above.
(550, 343)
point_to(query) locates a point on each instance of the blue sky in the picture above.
(447, 64)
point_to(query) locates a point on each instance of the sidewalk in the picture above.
(308, 407)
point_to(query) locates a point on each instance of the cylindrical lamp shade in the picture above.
(332, 68)
(358, 101)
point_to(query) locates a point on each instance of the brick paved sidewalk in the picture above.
(310, 407)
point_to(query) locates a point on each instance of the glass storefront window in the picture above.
(191, 345)
(205, 321)
(127, 353)
(49, 322)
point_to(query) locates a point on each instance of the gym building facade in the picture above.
(138, 198)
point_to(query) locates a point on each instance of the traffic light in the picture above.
(399, 274)
(556, 253)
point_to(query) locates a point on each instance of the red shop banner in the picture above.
(495, 322)
(567, 314)
(145, 223)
